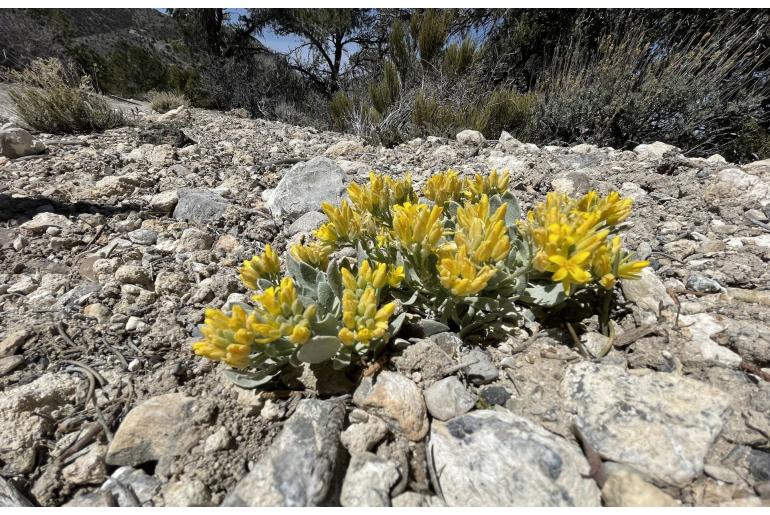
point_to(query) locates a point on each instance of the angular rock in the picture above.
(200, 206)
(87, 469)
(369, 481)
(703, 284)
(180, 114)
(305, 186)
(298, 468)
(114, 186)
(491, 458)
(735, 184)
(426, 357)
(678, 417)
(396, 399)
(10, 497)
(623, 488)
(164, 202)
(131, 487)
(344, 147)
(159, 427)
(482, 371)
(131, 273)
(571, 183)
(11, 363)
(186, 493)
(648, 292)
(97, 499)
(193, 239)
(11, 343)
(364, 436)
(700, 347)
(42, 221)
(448, 398)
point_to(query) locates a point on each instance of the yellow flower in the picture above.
(314, 254)
(416, 224)
(263, 266)
(280, 314)
(492, 184)
(611, 263)
(485, 236)
(395, 275)
(381, 194)
(443, 187)
(461, 276)
(570, 270)
(227, 339)
(345, 224)
(362, 320)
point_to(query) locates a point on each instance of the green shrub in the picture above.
(52, 98)
(458, 58)
(340, 108)
(164, 101)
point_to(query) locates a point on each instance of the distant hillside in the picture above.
(127, 51)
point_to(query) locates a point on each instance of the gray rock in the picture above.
(114, 186)
(417, 500)
(703, 284)
(470, 137)
(42, 221)
(448, 342)
(132, 273)
(159, 427)
(571, 183)
(10, 497)
(185, 493)
(653, 150)
(131, 487)
(193, 239)
(200, 206)
(218, 441)
(491, 458)
(368, 481)
(397, 399)
(298, 468)
(143, 236)
(648, 292)
(344, 147)
(305, 186)
(425, 357)
(11, 363)
(483, 371)
(164, 202)
(679, 417)
(87, 469)
(623, 488)
(17, 142)
(306, 223)
(11, 343)
(97, 499)
(448, 398)
(364, 436)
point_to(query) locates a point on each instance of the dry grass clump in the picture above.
(52, 97)
(164, 101)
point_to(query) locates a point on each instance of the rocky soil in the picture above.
(112, 244)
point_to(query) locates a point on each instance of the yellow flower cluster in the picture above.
(417, 225)
(381, 194)
(315, 254)
(345, 225)
(569, 238)
(493, 184)
(280, 314)
(443, 187)
(362, 320)
(263, 266)
(227, 339)
(484, 236)
(460, 275)
(611, 263)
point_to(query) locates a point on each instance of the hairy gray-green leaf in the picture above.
(319, 349)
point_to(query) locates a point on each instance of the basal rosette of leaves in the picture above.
(460, 258)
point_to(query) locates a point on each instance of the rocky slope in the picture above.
(112, 245)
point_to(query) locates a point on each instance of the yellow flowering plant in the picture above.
(460, 259)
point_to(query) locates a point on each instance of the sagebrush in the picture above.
(52, 97)
(164, 101)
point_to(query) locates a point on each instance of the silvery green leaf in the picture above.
(334, 278)
(327, 326)
(280, 348)
(325, 296)
(264, 284)
(319, 349)
(451, 208)
(545, 295)
(395, 325)
(404, 297)
(430, 327)
(483, 303)
(343, 358)
(250, 380)
(514, 209)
